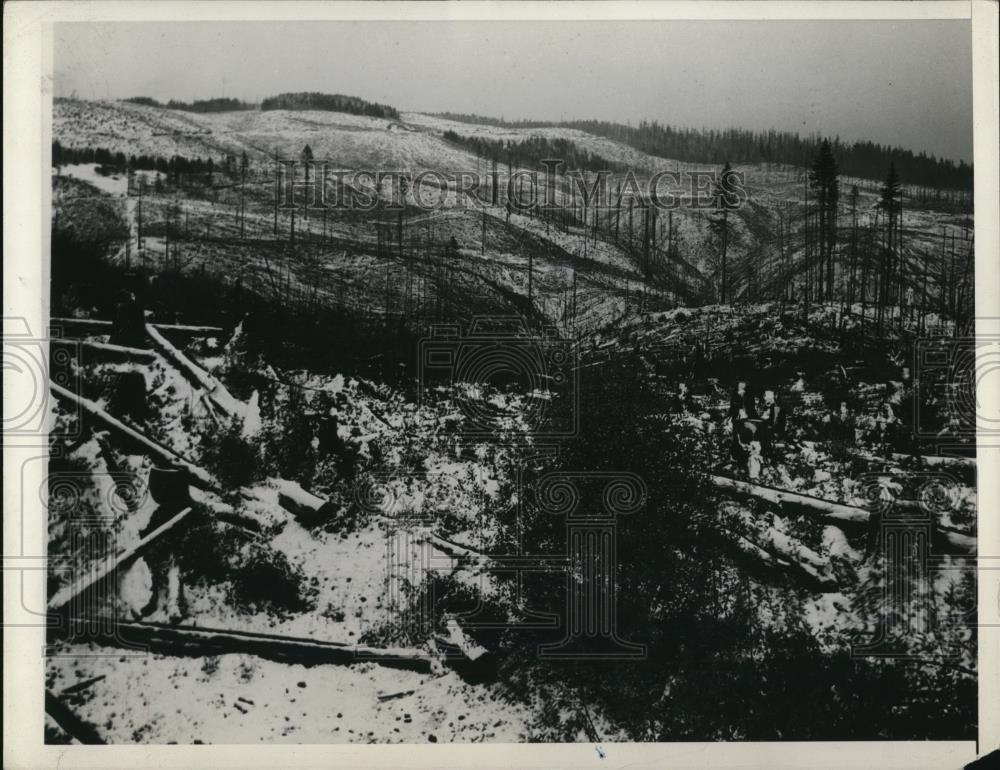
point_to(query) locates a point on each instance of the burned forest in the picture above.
(561, 432)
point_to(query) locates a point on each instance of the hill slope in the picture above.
(621, 258)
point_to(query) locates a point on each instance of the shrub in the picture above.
(265, 579)
(232, 459)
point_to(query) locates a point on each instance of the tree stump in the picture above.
(328, 435)
(129, 327)
(169, 487)
(129, 398)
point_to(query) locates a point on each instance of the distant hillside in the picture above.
(351, 105)
(483, 120)
(533, 150)
(218, 104)
(583, 266)
(329, 102)
(860, 159)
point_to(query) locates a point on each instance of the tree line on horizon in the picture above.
(863, 159)
(352, 105)
(217, 104)
(533, 150)
(313, 100)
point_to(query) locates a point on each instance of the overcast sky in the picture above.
(906, 83)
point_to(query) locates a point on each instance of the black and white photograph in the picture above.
(508, 381)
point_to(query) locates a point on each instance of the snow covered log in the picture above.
(197, 476)
(835, 511)
(65, 597)
(777, 549)
(797, 570)
(302, 503)
(191, 330)
(958, 540)
(221, 397)
(82, 325)
(98, 326)
(931, 461)
(105, 350)
(193, 640)
(934, 461)
(458, 552)
(464, 556)
(249, 519)
(471, 660)
(72, 725)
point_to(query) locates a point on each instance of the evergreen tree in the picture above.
(890, 203)
(307, 159)
(725, 198)
(823, 178)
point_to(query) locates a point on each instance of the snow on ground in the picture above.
(346, 572)
(347, 141)
(111, 184)
(606, 148)
(245, 699)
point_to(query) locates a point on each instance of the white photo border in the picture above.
(27, 95)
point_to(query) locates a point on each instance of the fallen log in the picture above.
(784, 552)
(753, 550)
(461, 555)
(931, 461)
(458, 552)
(82, 325)
(107, 350)
(196, 640)
(81, 686)
(834, 511)
(755, 554)
(99, 326)
(253, 522)
(470, 660)
(192, 330)
(76, 728)
(958, 540)
(393, 695)
(301, 503)
(221, 397)
(195, 372)
(197, 476)
(65, 596)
